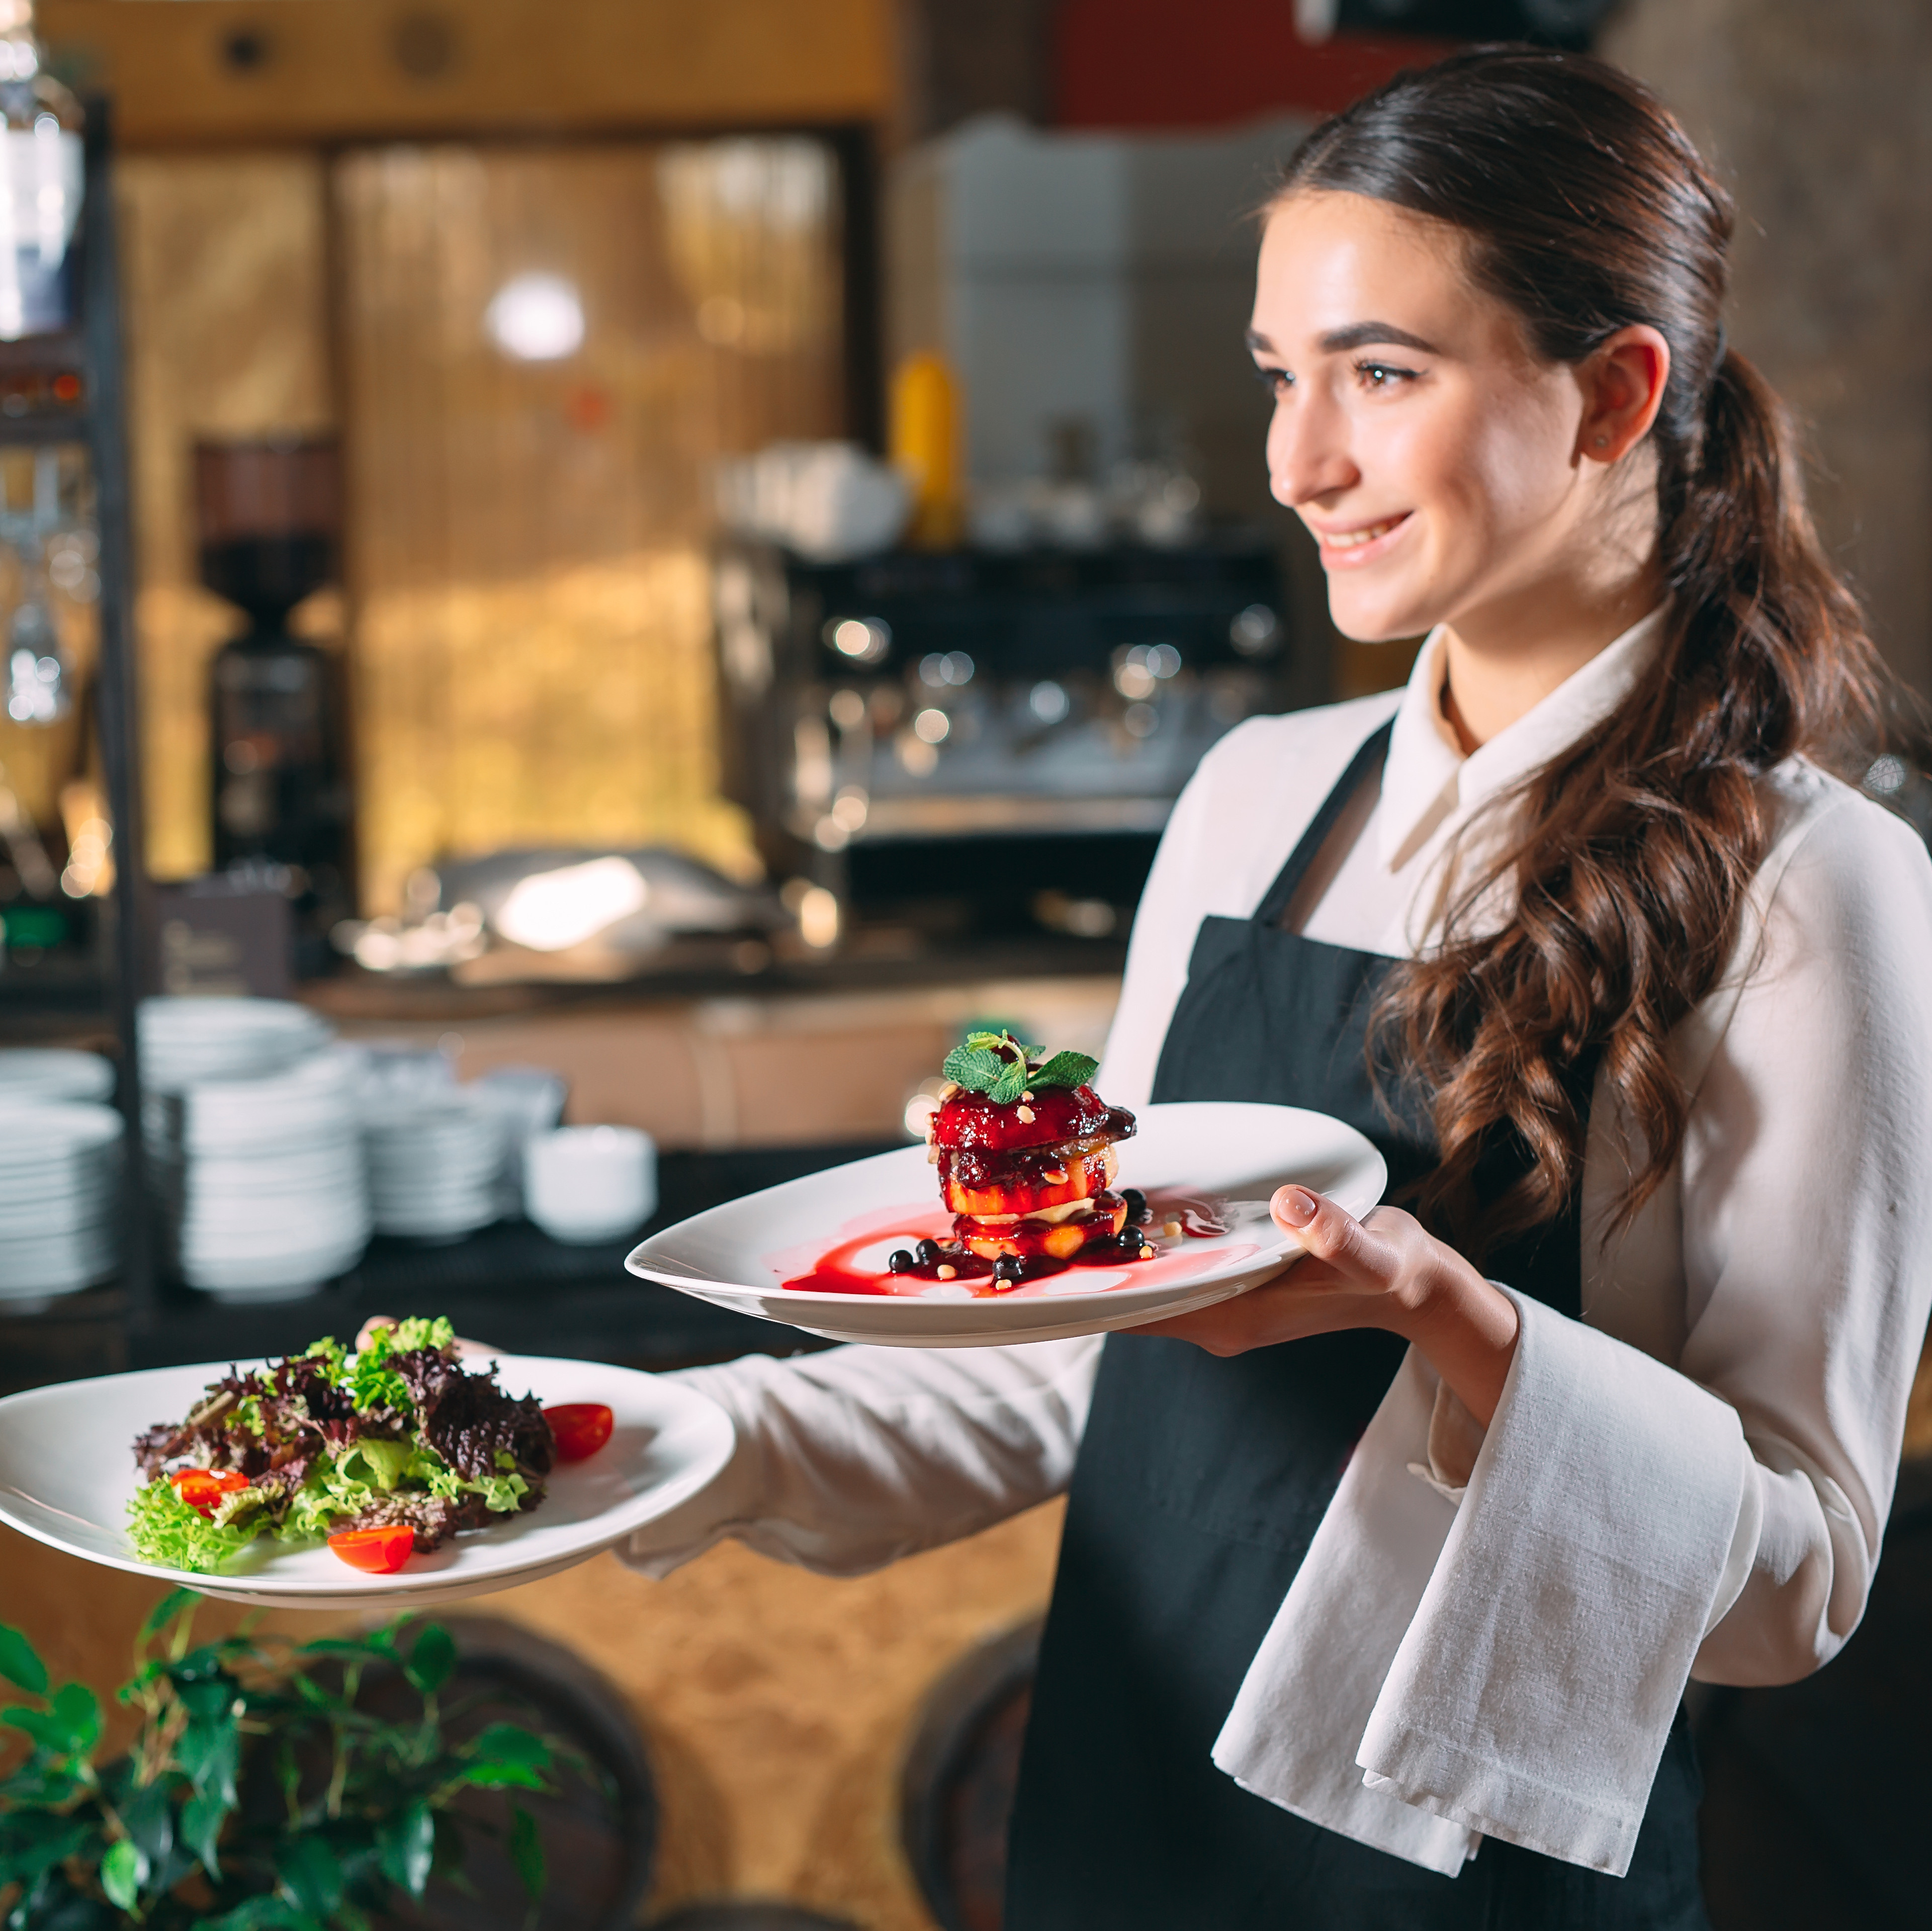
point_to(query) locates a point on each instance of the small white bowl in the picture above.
(582, 1185)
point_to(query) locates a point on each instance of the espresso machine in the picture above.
(269, 518)
(985, 742)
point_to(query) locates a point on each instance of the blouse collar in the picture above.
(1427, 778)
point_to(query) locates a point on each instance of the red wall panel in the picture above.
(1205, 63)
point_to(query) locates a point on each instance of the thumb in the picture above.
(1331, 1233)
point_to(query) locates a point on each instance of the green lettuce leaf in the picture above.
(367, 1376)
(165, 1530)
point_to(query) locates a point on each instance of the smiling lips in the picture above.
(1350, 547)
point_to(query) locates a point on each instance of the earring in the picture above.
(1603, 442)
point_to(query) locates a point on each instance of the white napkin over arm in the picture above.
(1508, 1665)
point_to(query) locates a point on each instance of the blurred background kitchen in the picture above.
(635, 566)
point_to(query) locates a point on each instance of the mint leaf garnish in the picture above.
(1013, 1082)
(974, 1068)
(1064, 1069)
(1004, 1069)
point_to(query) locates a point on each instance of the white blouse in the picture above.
(1493, 1629)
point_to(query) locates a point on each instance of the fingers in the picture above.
(374, 1326)
(1330, 1233)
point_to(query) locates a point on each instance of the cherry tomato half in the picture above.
(581, 1429)
(203, 1488)
(375, 1552)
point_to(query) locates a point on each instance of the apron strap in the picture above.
(1370, 758)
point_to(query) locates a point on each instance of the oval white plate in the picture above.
(67, 1471)
(739, 1255)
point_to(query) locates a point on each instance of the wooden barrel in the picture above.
(961, 1767)
(749, 1913)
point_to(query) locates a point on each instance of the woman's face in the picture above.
(1435, 458)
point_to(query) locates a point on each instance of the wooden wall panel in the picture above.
(527, 539)
(197, 71)
(223, 261)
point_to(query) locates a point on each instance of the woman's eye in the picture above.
(1275, 381)
(1384, 375)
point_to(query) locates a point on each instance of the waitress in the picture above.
(1410, 1554)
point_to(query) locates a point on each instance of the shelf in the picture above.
(508, 1284)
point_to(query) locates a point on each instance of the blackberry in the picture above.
(898, 1261)
(928, 1252)
(1009, 1269)
(1137, 1206)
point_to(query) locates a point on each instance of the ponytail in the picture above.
(1587, 209)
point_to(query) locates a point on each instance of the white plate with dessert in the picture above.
(1053, 1214)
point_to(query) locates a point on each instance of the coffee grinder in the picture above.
(268, 513)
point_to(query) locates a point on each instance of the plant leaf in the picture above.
(526, 1852)
(1065, 1070)
(310, 1874)
(77, 1710)
(150, 1820)
(260, 1914)
(407, 1847)
(210, 1754)
(52, 1839)
(431, 1659)
(70, 1727)
(20, 1663)
(512, 1743)
(164, 1612)
(122, 1871)
(503, 1776)
(201, 1818)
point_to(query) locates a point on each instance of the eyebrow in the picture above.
(1357, 335)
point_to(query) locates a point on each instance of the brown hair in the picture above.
(1584, 206)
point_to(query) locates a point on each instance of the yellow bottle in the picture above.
(925, 448)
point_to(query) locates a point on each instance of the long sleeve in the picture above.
(847, 1460)
(1807, 1229)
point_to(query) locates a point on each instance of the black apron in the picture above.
(1199, 1484)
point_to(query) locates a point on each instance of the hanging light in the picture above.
(535, 318)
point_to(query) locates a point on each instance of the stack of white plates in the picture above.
(60, 1175)
(185, 1041)
(263, 1181)
(434, 1162)
(53, 1072)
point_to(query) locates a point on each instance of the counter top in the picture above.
(353, 997)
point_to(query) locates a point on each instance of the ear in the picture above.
(1623, 389)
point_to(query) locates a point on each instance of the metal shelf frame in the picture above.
(92, 350)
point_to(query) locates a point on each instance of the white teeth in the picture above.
(1349, 539)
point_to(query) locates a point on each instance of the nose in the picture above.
(1308, 455)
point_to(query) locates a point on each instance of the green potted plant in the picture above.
(263, 1789)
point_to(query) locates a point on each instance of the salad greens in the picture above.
(396, 1431)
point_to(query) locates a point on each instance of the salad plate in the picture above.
(1227, 1156)
(67, 1472)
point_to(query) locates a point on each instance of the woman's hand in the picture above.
(1385, 1272)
